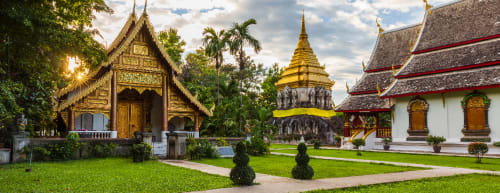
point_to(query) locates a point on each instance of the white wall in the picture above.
(447, 121)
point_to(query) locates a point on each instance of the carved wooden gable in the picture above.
(98, 100)
(178, 102)
(140, 66)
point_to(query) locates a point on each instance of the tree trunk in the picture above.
(241, 84)
(217, 65)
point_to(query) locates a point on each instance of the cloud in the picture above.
(341, 32)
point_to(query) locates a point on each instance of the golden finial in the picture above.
(427, 6)
(380, 30)
(303, 28)
(363, 63)
(393, 71)
(145, 5)
(347, 87)
(133, 9)
(378, 90)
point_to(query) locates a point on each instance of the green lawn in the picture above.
(106, 175)
(471, 183)
(279, 146)
(452, 161)
(282, 166)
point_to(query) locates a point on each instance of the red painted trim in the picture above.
(363, 92)
(361, 110)
(382, 69)
(442, 91)
(449, 69)
(456, 44)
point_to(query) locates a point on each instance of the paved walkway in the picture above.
(278, 184)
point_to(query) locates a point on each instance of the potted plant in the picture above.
(316, 143)
(338, 141)
(435, 141)
(386, 141)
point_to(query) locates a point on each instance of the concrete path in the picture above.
(278, 184)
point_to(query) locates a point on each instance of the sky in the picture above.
(342, 33)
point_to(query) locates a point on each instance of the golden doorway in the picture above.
(130, 118)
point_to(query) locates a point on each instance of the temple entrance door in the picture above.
(130, 118)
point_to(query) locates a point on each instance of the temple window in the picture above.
(91, 122)
(417, 113)
(475, 106)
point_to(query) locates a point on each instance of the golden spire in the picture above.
(304, 70)
(363, 63)
(427, 6)
(145, 6)
(380, 30)
(133, 9)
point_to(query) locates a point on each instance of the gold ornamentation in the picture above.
(347, 87)
(475, 102)
(150, 63)
(130, 60)
(363, 64)
(378, 90)
(304, 69)
(393, 71)
(380, 30)
(141, 50)
(139, 89)
(139, 78)
(427, 6)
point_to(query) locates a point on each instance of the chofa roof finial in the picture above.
(347, 87)
(380, 30)
(427, 5)
(363, 64)
(145, 6)
(133, 9)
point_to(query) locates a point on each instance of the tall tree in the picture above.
(215, 45)
(240, 37)
(37, 37)
(173, 44)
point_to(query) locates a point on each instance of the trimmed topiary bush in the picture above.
(302, 170)
(316, 143)
(478, 149)
(242, 174)
(358, 142)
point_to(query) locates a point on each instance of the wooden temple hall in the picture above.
(135, 90)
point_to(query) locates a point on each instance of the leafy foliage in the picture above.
(104, 150)
(172, 43)
(358, 142)
(257, 147)
(242, 173)
(141, 151)
(434, 140)
(302, 170)
(198, 149)
(478, 149)
(316, 143)
(386, 140)
(37, 37)
(66, 150)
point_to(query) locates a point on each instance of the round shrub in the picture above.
(141, 152)
(358, 142)
(302, 170)
(242, 174)
(478, 149)
(316, 143)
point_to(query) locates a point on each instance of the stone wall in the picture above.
(318, 97)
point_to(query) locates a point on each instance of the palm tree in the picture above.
(215, 45)
(239, 38)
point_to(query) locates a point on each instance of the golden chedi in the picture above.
(304, 105)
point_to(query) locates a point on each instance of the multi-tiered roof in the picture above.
(304, 69)
(458, 49)
(391, 51)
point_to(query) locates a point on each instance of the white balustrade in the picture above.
(95, 134)
(193, 134)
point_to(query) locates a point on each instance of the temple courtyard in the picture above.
(336, 170)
